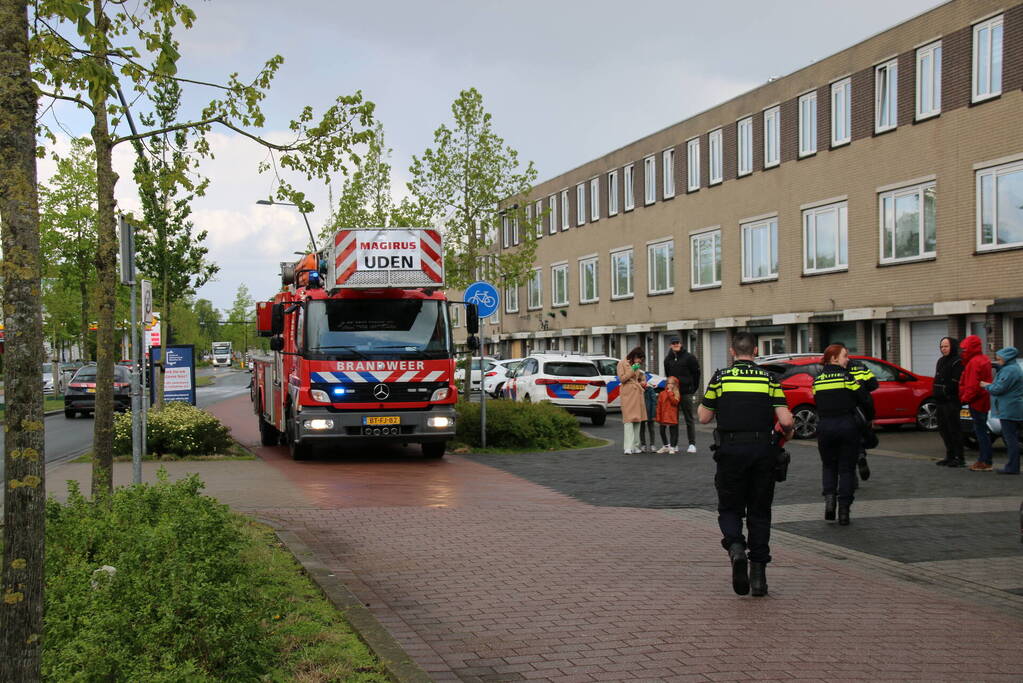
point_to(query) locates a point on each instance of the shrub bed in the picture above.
(534, 426)
(177, 428)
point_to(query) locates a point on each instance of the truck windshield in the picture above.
(372, 328)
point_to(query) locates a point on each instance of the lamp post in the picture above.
(271, 202)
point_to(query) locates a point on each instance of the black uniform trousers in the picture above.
(950, 429)
(745, 485)
(838, 440)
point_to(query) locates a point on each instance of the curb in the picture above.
(398, 664)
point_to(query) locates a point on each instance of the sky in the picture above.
(566, 81)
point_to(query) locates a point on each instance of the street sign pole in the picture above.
(128, 278)
(484, 295)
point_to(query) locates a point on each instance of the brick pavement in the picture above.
(482, 575)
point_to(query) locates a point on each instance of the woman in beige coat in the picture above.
(633, 378)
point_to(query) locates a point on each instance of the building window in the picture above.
(505, 232)
(580, 204)
(455, 316)
(693, 165)
(553, 203)
(1000, 207)
(987, 59)
(714, 147)
(564, 210)
(559, 285)
(534, 290)
(825, 238)
(705, 252)
(808, 124)
(760, 250)
(515, 228)
(621, 274)
(886, 96)
(630, 197)
(841, 112)
(908, 223)
(668, 172)
(538, 217)
(649, 180)
(745, 147)
(612, 193)
(660, 267)
(588, 292)
(928, 80)
(772, 137)
(511, 299)
(594, 199)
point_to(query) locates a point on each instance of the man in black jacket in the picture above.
(683, 365)
(946, 394)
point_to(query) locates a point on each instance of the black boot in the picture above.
(863, 467)
(758, 578)
(740, 568)
(958, 461)
(829, 507)
(843, 515)
(947, 462)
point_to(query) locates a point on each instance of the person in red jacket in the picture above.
(977, 369)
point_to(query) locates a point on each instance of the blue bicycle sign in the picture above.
(485, 296)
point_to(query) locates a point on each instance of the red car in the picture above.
(902, 397)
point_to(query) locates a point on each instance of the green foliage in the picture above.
(180, 606)
(529, 426)
(177, 428)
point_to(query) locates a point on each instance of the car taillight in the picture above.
(598, 382)
(78, 386)
(121, 385)
(548, 381)
(490, 374)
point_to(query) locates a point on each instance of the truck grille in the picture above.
(398, 392)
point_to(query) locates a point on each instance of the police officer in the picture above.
(862, 374)
(746, 401)
(838, 395)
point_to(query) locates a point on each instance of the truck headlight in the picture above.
(320, 395)
(319, 424)
(439, 422)
(440, 394)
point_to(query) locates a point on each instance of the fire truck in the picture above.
(361, 347)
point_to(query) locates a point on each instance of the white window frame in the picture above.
(715, 149)
(841, 97)
(772, 230)
(841, 210)
(894, 195)
(994, 172)
(886, 96)
(693, 165)
(612, 193)
(615, 255)
(650, 255)
(744, 146)
(993, 85)
(565, 211)
(649, 180)
(515, 228)
(455, 318)
(534, 290)
(713, 234)
(538, 213)
(552, 202)
(505, 232)
(772, 137)
(808, 123)
(928, 73)
(629, 185)
(594, 200)
(580, 204)
(559, 270)
(511, 299)
(668, 172)
(587, 263)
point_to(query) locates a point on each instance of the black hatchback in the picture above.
(80, 395)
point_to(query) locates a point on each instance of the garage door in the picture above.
(925, 335)
(718, 352)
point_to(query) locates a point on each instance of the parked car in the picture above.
(994, 428)
(902, 397)
(48, 379)
(495, 377)
(608, 367)
(479, 365)
(570, 381)
(80, 396)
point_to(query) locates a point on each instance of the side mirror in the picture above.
(472, 319)
(277, 320)
(277, 343)
(264, 316)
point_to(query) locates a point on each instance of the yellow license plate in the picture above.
(964, 413)
(383, 420)
(90, 390)
(573, 387)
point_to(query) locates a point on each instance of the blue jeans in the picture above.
(1010, 432)
(983, 436)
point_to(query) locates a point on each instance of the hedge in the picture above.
(532, 426)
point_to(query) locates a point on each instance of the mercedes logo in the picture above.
(381, 392)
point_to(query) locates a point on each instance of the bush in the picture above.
(180, 605)
(535, 426)
(177, 428)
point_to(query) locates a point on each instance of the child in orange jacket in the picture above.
(667, 415)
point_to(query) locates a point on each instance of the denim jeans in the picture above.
(1010, 432)
(983, 436)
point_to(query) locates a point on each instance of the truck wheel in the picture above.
(69, 414)
(434, 450)
(299, 451)
(268, 434)
(598, 420)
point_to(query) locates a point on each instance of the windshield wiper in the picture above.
(346, 347)
(406, 347)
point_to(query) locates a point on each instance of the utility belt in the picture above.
(782, 458)
(721, 438)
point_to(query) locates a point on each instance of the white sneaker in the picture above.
(672, 450)
(664, 449)
(691, 449)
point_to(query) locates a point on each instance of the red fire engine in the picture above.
(361, 345)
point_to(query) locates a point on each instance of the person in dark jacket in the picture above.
(683, 366)
(946, 395)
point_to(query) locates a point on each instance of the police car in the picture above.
(570, 381)
(608, 367)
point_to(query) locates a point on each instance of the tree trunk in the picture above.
(21, 609)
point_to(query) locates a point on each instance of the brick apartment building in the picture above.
(874, 197)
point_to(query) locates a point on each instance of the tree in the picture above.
(88, 68)
(21, 606)
(459, 186)
(365, 200)
(241, 316)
